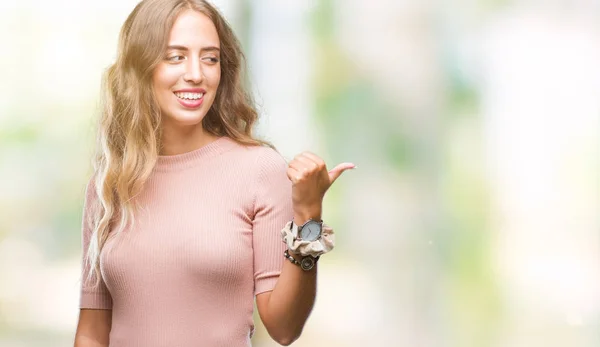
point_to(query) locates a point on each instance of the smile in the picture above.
(189, 96)
(190, 100)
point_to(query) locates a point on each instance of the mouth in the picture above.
(191, 100)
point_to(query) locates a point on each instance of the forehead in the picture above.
(194, 30)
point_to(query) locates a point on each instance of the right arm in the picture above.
(93, 328)
(95, 315)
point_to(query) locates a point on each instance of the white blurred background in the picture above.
(473, 216)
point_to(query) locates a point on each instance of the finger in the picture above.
(337, 171)
(293, 175)
(308, 163)
(298, 166)
(315, 158)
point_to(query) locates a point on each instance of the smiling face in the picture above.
(185, 82)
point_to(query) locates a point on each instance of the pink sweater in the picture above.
(205, 242)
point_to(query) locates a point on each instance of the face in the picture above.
(185, 82)
(310, 232)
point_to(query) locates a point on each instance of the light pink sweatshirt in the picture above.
(205, 242)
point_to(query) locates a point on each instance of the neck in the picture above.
(183, 139)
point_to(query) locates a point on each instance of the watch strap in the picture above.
(306, 263)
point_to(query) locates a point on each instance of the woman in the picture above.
(186, 212)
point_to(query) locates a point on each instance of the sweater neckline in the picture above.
(188, 159)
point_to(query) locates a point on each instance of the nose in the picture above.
(193, 72)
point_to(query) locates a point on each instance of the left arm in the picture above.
(285, 309)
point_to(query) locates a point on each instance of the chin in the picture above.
(185, 120)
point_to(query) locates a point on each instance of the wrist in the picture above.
(295, 255)
(302, 214)
(318, 238)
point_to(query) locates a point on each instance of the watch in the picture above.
(312, 238)
(309, 231)
(306, 263)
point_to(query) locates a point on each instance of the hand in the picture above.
(310, 180)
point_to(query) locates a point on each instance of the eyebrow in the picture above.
(203, 49)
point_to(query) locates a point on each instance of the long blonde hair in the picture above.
(129, 131)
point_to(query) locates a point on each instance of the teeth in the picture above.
(189, 96)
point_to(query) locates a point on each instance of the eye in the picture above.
(175, 58)
(212, 60)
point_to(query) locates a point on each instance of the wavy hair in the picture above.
(129, 132)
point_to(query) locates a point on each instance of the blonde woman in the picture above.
(188, 218)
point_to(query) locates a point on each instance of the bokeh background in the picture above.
(471, 220)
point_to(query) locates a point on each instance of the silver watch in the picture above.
(309, 231)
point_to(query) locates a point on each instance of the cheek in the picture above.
(161, 87)
(214, 77)
(164, 78)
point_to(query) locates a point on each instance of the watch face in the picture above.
(307, 263)
(311, 231)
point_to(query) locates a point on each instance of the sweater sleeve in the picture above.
(272, 210)
(94, 297)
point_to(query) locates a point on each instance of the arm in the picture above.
(93, 328)
(95, 315)
(284, 311)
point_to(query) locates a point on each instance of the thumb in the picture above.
(337, 171)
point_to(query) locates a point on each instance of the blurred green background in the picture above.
(472, 219)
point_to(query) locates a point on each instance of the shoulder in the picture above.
(90, 188)
(256, 157)
(267, 161)
(270, 181)
(258, 163)
(261, 164)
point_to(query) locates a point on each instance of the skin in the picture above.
(193, 62)
(285, 310)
